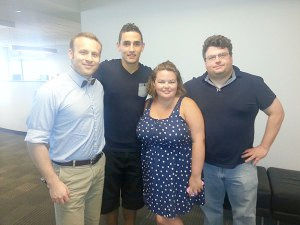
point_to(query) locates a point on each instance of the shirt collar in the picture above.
(77, 78)
(230, 80)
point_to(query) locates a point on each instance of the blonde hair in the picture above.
(84, 34)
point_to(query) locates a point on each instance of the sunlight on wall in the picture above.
(26, 66)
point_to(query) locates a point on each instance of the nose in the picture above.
(166, 84)
(218, 58)
(131, 48)
(88, 57)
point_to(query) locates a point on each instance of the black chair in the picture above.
(285, 187)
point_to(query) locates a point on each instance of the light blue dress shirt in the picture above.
(68, 118)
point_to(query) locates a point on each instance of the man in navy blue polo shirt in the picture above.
(230, 100)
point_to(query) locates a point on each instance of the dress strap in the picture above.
(147, 109)
(178, 104)
(149, 103)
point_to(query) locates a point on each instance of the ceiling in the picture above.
(41, 23)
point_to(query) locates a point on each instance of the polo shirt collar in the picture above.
(230, 80)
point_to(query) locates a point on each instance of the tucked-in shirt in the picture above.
(68, 118)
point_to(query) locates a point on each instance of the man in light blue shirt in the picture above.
(65, 135)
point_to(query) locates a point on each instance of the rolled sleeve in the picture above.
(37, 136)
(40, 120)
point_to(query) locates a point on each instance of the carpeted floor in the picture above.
(24, 200)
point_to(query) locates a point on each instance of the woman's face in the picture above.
(166, 84)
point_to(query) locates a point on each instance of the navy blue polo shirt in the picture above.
(229, 115)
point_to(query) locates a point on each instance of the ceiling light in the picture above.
(33, 49)
(7, 24)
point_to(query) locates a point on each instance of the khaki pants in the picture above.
(86, 187)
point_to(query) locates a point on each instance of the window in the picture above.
(26, 65)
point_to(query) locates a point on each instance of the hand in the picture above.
(255, 154)
(195, 186)
(59, 192)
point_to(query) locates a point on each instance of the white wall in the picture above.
(265, 36)
(15, 103)
(16, 96)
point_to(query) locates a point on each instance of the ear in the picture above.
(118, 46)
(143, 46)
(70, 53)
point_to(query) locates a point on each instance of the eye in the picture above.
(211, 57)
(83, 52)
(95, 55)
(126, 43)
(223, 55)
(137, 43)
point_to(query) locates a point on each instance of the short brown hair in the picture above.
(130, 27)
(169, 66)
(84, 34)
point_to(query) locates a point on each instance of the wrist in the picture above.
(50, 181)
(266, 147)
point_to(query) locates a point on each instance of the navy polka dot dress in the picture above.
(166, 163)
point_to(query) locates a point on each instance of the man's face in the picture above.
(131, 47)
(85, 56)
(218, 62)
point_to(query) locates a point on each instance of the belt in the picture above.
(81, 162)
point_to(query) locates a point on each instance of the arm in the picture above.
(275, 114)
(39, 154)
(194, 119)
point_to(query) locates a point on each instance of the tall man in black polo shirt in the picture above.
(125, 92)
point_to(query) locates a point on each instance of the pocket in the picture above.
(63, 173)
(142, 91)
(57, 169)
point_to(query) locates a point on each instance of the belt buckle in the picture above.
(96, 158)
(92, 161)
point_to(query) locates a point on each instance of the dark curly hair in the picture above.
(217, 41)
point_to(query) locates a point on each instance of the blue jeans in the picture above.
(240, 183)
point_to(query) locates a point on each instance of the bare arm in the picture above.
(39, 154)
(275, 114)
(193, 117)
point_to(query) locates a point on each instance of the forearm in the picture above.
(40, 156)
(198, 155)
(272, 128)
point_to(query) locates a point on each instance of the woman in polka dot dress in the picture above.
(171, 133)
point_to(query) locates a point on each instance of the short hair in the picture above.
(130, 27)
(217, 41)
(169, 66)
(84, 34)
